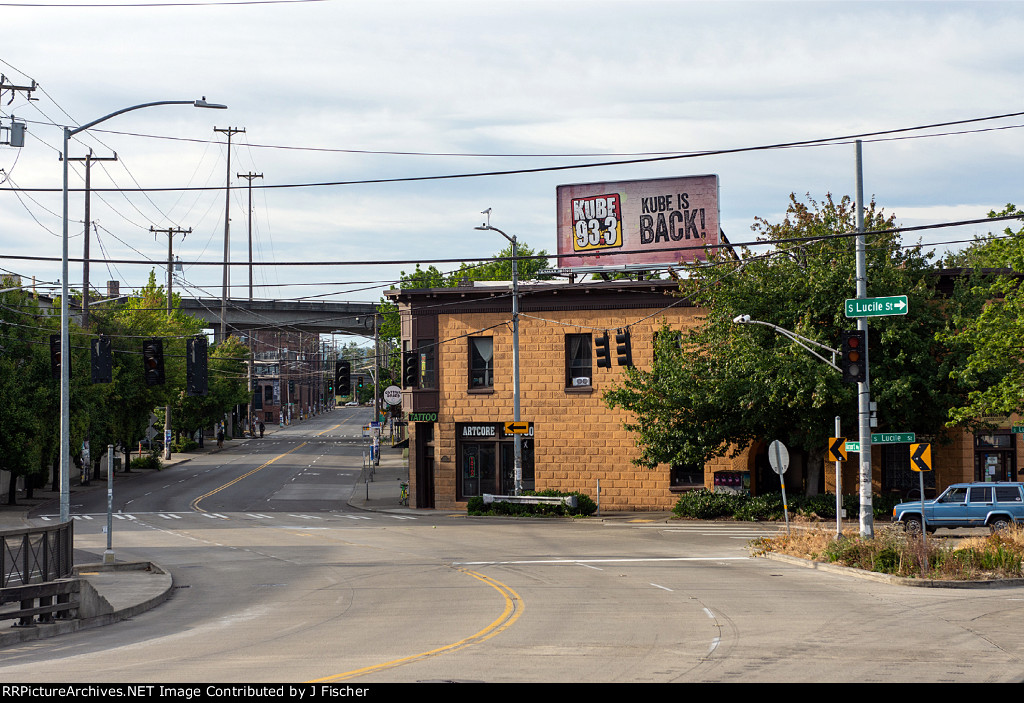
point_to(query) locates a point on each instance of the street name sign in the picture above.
(873, 307)
(893, 438)
(852, 447)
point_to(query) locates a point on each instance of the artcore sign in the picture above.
(651, 221)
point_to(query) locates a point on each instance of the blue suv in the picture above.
(992, 505)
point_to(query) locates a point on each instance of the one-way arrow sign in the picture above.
(921, 457)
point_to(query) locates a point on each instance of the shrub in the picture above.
(584, 506)
(184, 444)
(149, 461)
(765, 507)
(703, 504)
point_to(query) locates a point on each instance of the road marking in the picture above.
(597, 561)
(662, 588)
(514, 607)
(195, 503)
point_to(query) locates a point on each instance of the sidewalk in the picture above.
(110, 592)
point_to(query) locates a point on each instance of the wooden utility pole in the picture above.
(252, 357)
(89, 159)
(230, 131)
(170, 232)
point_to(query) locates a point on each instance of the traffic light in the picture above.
(624, 347)
(55, 356)
(195, 367)
(342, 377)
(360, 382)
(603, 359)
(153, 361)
(410, 369)
(853, 360)
(101, 360)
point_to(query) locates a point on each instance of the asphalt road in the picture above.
(277, 580)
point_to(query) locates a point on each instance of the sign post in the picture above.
(921, 461)
(778, 457)
(837, 450)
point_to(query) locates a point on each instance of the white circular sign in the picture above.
(392, 395)
(778, 457)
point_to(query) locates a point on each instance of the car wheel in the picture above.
(999, 524)
(912, 525)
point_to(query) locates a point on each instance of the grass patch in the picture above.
(893, 551)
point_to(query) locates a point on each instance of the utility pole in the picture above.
(170, 232)
(867, 521)
(89, 159)
(252, 357)
(230, 131)
(249, 177)
(16, 132)
(517, 438)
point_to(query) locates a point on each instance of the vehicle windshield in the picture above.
(956, 494)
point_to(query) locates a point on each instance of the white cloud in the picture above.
(496, 77)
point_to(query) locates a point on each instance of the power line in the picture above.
(825, 141)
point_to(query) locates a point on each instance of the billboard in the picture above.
(650, 221)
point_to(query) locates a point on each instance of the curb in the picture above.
(889, 578)
(106, 615)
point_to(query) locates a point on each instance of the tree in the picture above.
(499, 268)
(719, 387)
(988, 327)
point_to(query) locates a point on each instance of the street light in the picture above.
(747, 320)
(799, 339)
(518, 445)
(65, 342)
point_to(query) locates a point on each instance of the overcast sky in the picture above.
(327, 90)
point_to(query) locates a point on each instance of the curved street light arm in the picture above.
(799, 339)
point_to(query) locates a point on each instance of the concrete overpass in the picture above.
(306, 316)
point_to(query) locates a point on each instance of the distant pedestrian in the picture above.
(220, 436)
(261, 429)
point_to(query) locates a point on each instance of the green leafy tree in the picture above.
(499, 268)
(988, 327)
(719, 386)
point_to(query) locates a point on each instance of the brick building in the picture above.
(458, 447)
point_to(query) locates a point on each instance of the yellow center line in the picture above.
(327, 430)
(513, 609)
(195, 503)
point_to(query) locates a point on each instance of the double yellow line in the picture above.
(513, 610)
(195, 503)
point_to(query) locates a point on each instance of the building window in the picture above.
(577, 360)
(686, 476)
(481, 362)
(268, 393)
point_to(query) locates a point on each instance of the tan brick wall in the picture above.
(578, 440)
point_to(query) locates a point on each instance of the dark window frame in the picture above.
(579, 361)
(481, 373)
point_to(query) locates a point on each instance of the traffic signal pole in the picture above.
(867, 525)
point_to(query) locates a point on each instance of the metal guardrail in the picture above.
(36, 554)
(35, 566)
(531, 500)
